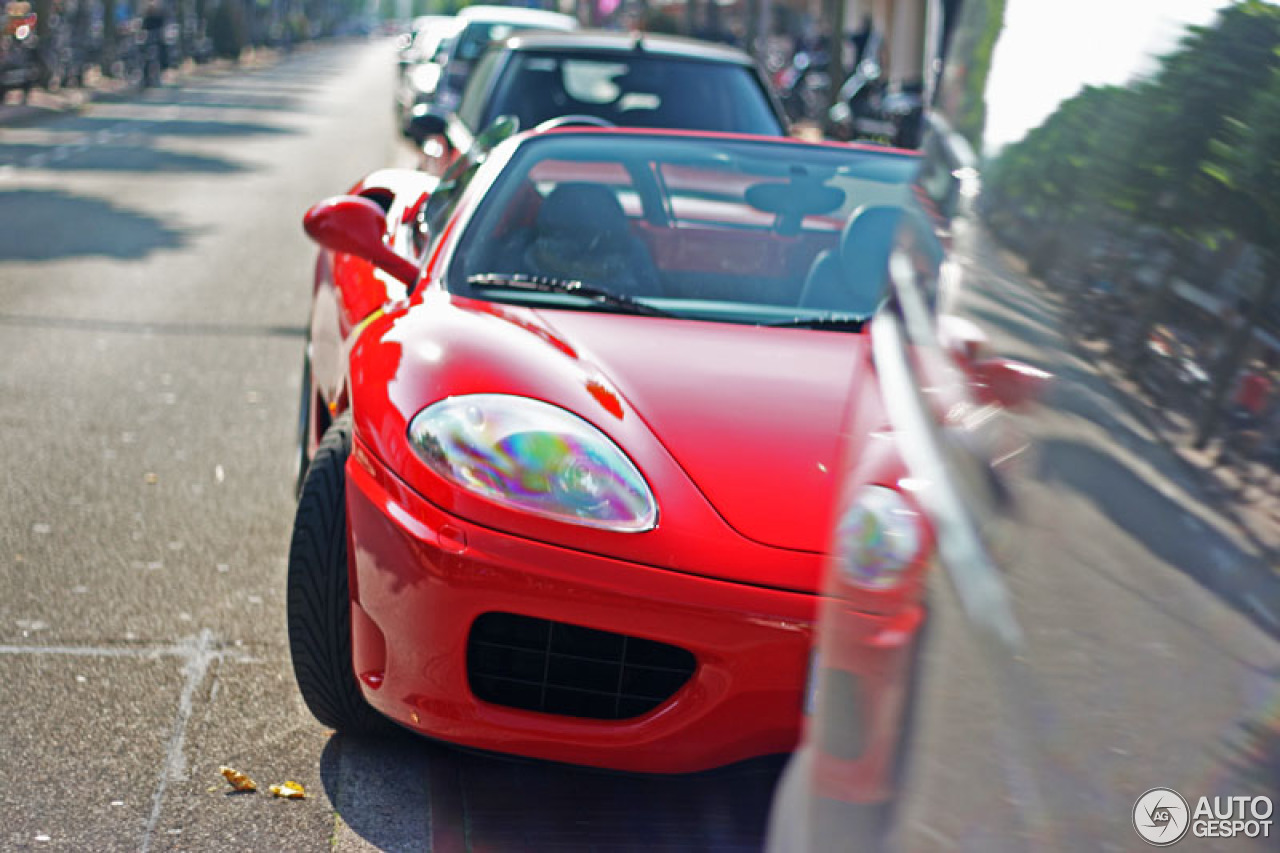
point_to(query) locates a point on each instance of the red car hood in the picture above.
(753, 415)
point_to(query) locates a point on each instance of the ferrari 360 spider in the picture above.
(571, 417)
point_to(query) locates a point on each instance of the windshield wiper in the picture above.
(834, 322)
(547, 284)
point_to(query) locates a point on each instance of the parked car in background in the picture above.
(421, 63)
(478, 26)
(603, 78)
(419, 44)
(559, 408)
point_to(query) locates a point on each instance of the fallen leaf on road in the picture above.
(289, 791)
(238, 780)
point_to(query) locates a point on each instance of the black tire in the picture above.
(304, 426)
(319, 603)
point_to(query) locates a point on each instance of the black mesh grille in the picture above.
(557, 668)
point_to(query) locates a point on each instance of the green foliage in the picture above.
(1191, 150)
(1243, 166)
(979, 29)
(1065, 167)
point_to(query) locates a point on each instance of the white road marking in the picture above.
(136, 652)
(199, 656)
(91, 652)
(199, 653)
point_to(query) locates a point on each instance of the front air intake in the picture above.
(558, 668)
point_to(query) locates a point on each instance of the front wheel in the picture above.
(319, 601)
(304, 428)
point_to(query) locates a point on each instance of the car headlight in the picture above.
(425, 77)
(879, 537)
(533, 457)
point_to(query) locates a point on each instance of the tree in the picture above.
(1244, 176)
(964, 85)
(1202, 90)
(1191, 151)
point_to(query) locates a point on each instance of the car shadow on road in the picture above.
(38, 228)
(493, 803)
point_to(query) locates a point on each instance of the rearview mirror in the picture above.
(424, 123)
(357, 226)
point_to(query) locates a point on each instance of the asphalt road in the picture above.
(153, 287)
(154, 283)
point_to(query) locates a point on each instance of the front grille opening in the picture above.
(558, 668)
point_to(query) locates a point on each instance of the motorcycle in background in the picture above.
(803, 83)
(869, 109)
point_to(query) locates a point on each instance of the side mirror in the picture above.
(1007, 383)
(424, 123)
(357, 226)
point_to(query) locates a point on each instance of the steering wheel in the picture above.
(575, 120)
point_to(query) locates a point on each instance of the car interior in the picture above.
(793, 239)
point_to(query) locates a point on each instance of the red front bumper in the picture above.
(420, 577)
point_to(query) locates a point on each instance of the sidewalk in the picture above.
(1254, 508)
(13, 110)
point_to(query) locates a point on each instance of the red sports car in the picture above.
(572, 420)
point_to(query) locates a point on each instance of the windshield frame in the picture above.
(451, 273)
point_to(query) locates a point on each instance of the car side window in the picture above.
(471, 107)
(443, 202)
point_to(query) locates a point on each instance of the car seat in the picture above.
(854, 280)
(582, 233)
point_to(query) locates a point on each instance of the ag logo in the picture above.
(1161, 816)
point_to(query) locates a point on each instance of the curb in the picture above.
(69, 101)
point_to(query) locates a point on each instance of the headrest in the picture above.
(581, 210)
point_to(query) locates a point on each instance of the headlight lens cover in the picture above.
(878, 538)
(533, 457)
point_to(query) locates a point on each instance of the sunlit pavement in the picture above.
(154, 285)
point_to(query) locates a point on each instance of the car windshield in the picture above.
(700, 228)
(477, 35)
(633, 90)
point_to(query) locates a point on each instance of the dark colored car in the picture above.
(603, 78)
(476, 28)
